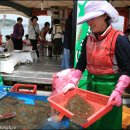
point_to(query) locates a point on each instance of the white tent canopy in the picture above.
(6, 5)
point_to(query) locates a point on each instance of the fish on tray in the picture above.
(7, 115)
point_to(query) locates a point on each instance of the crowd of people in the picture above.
(59, 46)
(60, 43)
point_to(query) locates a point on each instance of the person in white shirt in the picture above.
(33, 31)
(9, 46)
(57, 39)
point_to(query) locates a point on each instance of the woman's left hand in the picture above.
(115, 98)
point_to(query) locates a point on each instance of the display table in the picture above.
(7, 64)
(25, 57)
(26, 48)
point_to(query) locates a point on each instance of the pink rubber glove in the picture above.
(115, 97)
(60, 79)
(76, 77)
(73, 81)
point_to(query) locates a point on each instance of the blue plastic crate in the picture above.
(27, 98)
(4, 88)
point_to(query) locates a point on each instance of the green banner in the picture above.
(82, 31)
(1, 80)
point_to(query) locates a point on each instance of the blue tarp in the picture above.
(3, 87)
(28, 99)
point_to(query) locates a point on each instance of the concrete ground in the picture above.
(40, 71)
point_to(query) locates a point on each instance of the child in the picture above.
(9, 46)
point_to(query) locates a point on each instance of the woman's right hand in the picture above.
(68, 87)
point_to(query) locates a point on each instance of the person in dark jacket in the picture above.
(17, 35)
(57, 36)
(106, 55)
(67, 43)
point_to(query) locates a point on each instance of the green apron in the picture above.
(105, 84)
(1, 80)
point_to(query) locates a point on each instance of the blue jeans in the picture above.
(66, 59)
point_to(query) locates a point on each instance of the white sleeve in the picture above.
(1, 49)
(30, 28)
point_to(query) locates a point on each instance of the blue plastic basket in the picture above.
(2, 94)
